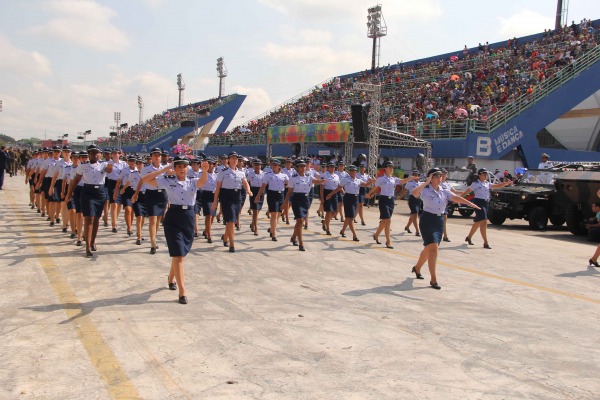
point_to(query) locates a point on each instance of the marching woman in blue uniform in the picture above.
(229, 183)
(93, 195)
(481, 188)
(350, 186)
(139, 206)
(330, 205)
(435, 199)
(415, 205)
(71, 214)
(155, 200)
(255, 179)
(208, 196)
(114, 197)
(275, 183)
(124, 196)
(387, 183)
(180, 219)
(194, 172)
(83, 159)
(362, 174)
(300, 185)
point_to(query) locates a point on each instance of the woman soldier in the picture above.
(71, 214)
(125, 196)
(299, 187)
(289, 171)
(180, 217)
(155, 200)
(139, 204)
(229, 183)
(194, 172)
(208, 196)
(481, 188)
(275, 184)
(255, 179)
(83, 159)
(330, 206)
(414, 204)
(242, 167)
(47, 175)
(351, 186)
(64, 168)
(93, 195)
(364, 176)
(435, 199)
(388, 184)
(342, 174)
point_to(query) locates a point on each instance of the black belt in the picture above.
(108, 179)
(155, 190)
(88, 185)
(300, 193)
(437, 215)
(276, 191)
(230, 190)
(180, 207)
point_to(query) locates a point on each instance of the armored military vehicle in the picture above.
(576, 191)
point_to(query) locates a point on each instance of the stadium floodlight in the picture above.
(376, 28)
(181, 88)
(221, 73)
(141, 107)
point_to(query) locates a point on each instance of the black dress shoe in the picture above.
(363, 223)
(446, 239)
(407, 230)
(172, 285)
(594, 263)
(418, 234)
(389, 246)
(64, 230)
(225, 244)
(209, 240)
(51, 223)
(232, 249)
(129, 233)
(183, 300)
(328, 233)
(78, 243)
(342, 234)
(294, 242)
(105, 223)
(486, 246)
(72, 236)
(114, 230)
(274, 238)
(152, 250)
(355, 239)
(89, 254)
(376, 240)
(468, 240)
(301, 248)
(138, 242)
(195, 234)
(58, 220)
(419, 276)
(93, 247)
(435, 285)
(305, 226)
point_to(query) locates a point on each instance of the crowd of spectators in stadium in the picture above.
(472, 85)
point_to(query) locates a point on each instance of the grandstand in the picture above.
(504, 102)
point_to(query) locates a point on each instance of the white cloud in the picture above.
(525, 22)
(317, 10)
(257, 102)
(21, 62)
(84, 23)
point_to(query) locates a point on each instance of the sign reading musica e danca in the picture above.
(309, 133)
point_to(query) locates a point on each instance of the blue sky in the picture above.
(67, 66)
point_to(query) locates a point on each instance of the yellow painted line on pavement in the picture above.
(100, 354)
(489, 275)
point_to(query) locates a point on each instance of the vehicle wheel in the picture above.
(538, 218)
(557, 220)
(575, 221)
(466, 212)
(450, 210)
(496, 217)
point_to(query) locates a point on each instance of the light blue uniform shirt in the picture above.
(193, 174)
(134, 178)
(51, 166)
(332, 181)
(276, 182)
(351, 186)
(301, 183)
(411, 185)
(435, 202)
(62, 168)
(231, 178)
(147, 170)
(387, 185)
(92, 174)
(117, 167)
(211, 182)
(481, 189)
(255, 180)
(180, 193)
(124, 174)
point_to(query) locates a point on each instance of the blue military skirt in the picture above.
(126, 197)
(139, 207)
(415, 205)
(155, 202)
(71, 203)
(331, 204)
(480, 215)
(56, 198)
(77, 198)
(111, 186)
(208, 199)
(362, 194)
(45, 186)
(253, 205)
(350, 205)
(230, 204)
(179, 226)
(198, 204)
(386, 207)
(275, 200)
(92, 200)
(300, 204)
(431, 227)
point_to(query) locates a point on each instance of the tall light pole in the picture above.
(376, 28)
(221, 73)
(117, 120)
(141, 107)
(181, 88)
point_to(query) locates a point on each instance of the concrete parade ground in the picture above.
(343, 320)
